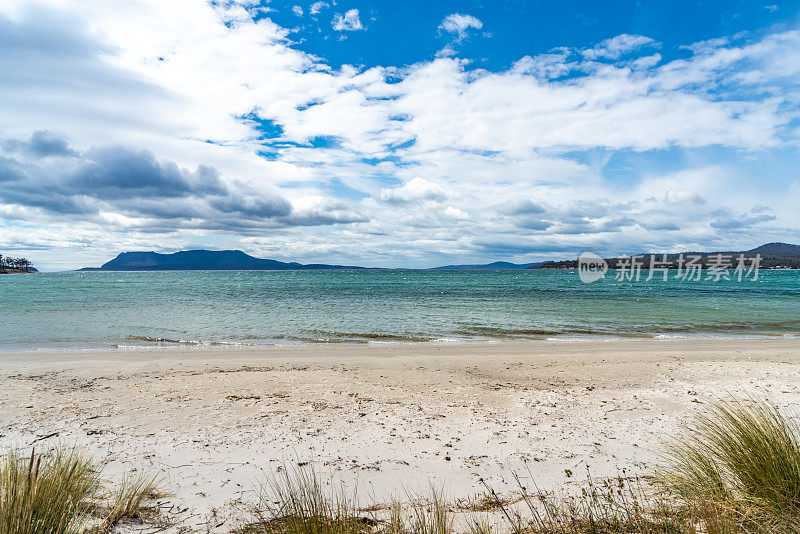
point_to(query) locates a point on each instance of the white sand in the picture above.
(394, 418)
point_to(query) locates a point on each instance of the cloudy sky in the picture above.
(388, 133)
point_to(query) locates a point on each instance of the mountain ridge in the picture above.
(488, 266)
(204, 260)
(773, 255)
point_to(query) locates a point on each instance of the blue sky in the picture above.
(396, 133)
(403, 33)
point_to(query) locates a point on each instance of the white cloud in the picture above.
(297, 10)
(455, 213)
(348, 23)
(617, 46)
(416, 190)
(460, 24)
(685, 198)
(316, 7)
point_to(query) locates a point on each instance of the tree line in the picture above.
(20, 264)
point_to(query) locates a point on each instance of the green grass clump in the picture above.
(433, 517)
(128, 499)
(739, 466)
(45, 494)
(605, 506)
(297, 502)
(62, 493)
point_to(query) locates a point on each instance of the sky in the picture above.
(396, 134)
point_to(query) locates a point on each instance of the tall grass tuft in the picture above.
(61, 493)
(433, 517)
(297, 502)
(738, 467)
(617, 505)
(45, 494)
(128, 499)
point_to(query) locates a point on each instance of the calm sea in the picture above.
(109, 310)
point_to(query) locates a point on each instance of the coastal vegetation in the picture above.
(15, 265)
(735, 469)
(63, 493)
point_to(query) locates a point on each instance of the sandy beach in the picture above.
(395, 419)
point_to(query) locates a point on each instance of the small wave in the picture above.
(194, 342)
(324, 336)
(323, 340)
(489, 331)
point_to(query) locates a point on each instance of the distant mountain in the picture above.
(784, 250)
(773, 255)
(202, 260)
(493, 265)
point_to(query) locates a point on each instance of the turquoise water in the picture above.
(77, 310)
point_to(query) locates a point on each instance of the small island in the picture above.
(10, 265)
(203, 260)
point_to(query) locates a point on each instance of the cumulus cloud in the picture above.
(617, 46)
(455, 213)
(134, 184)
(522, 206)
(685, 198)
(460, 24)
(297, 10)
(416, 190)
(41, 144)
(316, 211)
(316, 7)
(350, 22)
(741, 222)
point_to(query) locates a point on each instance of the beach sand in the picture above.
(395, 419)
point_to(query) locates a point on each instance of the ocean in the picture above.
(119, 310)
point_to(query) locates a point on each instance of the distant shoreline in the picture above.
(9, 270)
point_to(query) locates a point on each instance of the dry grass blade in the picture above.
(129, 499)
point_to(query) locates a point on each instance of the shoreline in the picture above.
(394, 418)
(172, 345)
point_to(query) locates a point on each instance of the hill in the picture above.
(202, 260)
(773, 255)
(489, 266)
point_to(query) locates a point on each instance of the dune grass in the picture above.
(128, 499)
(735, 470)
(61, 492)
(46, 494)
(738, 468)
(296, 501)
